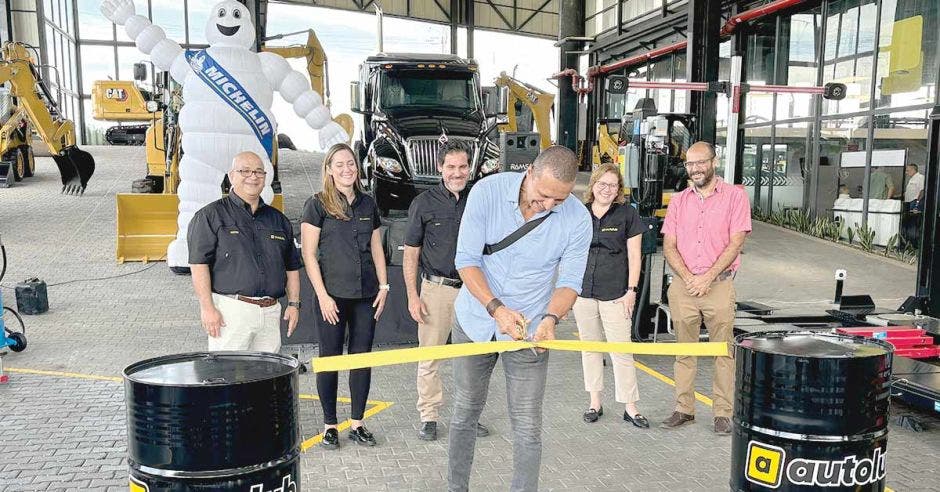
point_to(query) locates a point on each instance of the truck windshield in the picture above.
(428, 89)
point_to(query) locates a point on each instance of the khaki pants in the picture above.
(597, 319)
(717, 310)
(247, 326)
(440, 302)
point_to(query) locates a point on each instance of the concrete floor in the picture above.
(63, 411)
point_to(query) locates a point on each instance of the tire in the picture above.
(19, 341)
(30, 167)
(19, 165)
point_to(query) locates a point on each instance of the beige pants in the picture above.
(247, 326)
(440, 302)
(717, 310)
(596, 320)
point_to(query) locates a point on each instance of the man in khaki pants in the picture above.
(703, 233)
(431, 243)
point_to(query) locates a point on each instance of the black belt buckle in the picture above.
(434, 279)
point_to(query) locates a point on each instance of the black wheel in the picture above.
(19, 341)
(30, 161)
(19, 165)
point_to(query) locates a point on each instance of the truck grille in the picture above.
(422, 154)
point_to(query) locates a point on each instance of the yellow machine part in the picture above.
(146, 223)
(118, 100)
(606, 148)
(156, 154)
(537, 100)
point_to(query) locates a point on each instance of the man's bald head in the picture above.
(559, 162)
(248, 159)
(701, 151)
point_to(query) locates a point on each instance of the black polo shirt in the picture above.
(605, 277)
(248, 254)
(433, 224)
(345, 249)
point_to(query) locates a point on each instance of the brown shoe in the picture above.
(676, 419)
(722, 425)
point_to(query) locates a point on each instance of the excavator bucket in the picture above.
(76, 167)
(146, 224)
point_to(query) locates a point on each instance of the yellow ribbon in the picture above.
(417, 354)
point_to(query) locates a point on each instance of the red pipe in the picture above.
(728, 28)
(756, 13)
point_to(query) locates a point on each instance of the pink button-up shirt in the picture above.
(703, 226)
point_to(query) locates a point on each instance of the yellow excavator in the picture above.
(33, 107)
(530, 109)
(146, 219)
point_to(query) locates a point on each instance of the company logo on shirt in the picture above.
(279, 238)
(233, 232)
(365, 218)
(610, 229)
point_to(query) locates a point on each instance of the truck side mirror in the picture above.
(490, 96)
(140, 72)
(355, 97)
(502, 111)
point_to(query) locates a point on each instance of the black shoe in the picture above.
(330, 439)
(428, 431)
(592, 415)
(482, 431)
(362, 436)
(637, 420)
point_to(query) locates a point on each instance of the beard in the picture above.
(704, 179)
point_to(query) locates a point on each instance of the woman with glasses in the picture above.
(608, 293)
(345, 261)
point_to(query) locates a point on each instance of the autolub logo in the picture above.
(287, 485)
(768, 466)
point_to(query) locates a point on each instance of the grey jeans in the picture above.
(525, 389)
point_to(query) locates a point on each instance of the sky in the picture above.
(349, 37)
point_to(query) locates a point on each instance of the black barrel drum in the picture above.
(220, 421)
(810, 412)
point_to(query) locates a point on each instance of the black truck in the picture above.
(411, 104)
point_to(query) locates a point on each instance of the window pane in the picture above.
(67, 18)
(92, 25)
(855, 31)
(759, 69)
(94, 129)
(801, 46)
(97, 64)
(756, 166)
(841, 169)
(127, 57)
(168, 14)
(789, 170)
(907, 59)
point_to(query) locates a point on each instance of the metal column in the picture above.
(570, 24)
(702, 63)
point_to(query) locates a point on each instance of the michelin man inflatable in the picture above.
(227, 94)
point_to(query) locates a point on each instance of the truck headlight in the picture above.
(389, 164)
(490, 165)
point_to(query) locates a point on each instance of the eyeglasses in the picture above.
(607, 186)
(702, 163)
(260, 173)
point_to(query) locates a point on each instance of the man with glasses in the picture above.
(704, 230)
(242, 258)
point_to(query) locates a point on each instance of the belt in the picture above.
(434, 279)
(263, 302)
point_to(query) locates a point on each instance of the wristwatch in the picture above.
(552, 316)
(385, 287)
(631, 288)
(295, 304)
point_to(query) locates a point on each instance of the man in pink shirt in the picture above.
(703, 233)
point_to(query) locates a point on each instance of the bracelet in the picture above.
(552, 316)
(493, 305)
(295, 304)
(385, 287)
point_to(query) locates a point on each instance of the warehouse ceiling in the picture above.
(529, 17)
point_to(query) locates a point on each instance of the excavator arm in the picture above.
(537, 100)
(75, 165)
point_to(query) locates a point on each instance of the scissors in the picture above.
(523, 332)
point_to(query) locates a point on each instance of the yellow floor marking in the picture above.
(73, 375)
(698, 396)
(377, 406)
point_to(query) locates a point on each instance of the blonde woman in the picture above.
(608, 291)
(344, 259)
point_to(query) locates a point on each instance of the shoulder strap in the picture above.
(489, 249)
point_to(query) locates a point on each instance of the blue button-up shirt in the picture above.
(524, 275)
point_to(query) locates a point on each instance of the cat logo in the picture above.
(138, 486)
(765, 464)
(119, 94)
